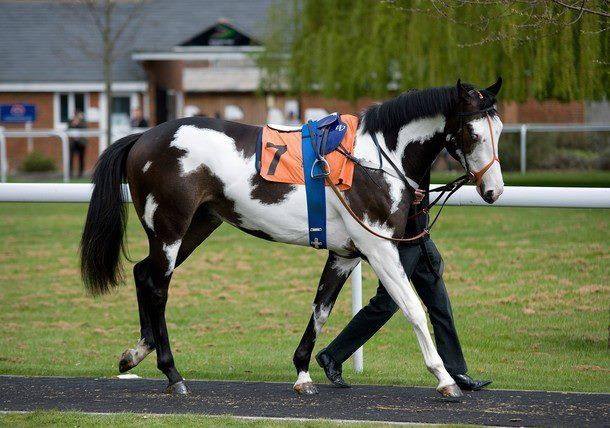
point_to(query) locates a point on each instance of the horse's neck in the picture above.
(418, 144)
(417, 158)
(414, 147)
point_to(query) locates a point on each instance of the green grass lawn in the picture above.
(529, 289)
(55, 418)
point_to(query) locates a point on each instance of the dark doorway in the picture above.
(161, 105)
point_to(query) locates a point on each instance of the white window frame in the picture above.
(134, 101)
(57, 123)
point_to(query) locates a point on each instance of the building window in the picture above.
(64, 115)
(121, 110)
(79, 102)
(69, 104)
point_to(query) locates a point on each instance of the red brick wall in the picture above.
(16, 148)
(334, 104)
(529, 112)
(48, 146)
(253, 106)
(550, 111)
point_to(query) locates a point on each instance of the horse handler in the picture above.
(423, 265)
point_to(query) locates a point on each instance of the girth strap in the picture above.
(315, 170)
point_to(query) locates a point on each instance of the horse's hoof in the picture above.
(307, 388)
(178, 388)
(126, 362)
(452, 391)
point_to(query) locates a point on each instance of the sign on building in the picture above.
(17, 113)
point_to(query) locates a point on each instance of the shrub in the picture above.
(37, 162)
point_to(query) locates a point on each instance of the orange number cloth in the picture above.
(282, 160)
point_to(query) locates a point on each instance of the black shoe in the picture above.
(332, 369)
(467, 383)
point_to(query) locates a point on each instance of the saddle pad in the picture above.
(281, 157)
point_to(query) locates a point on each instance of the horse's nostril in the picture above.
(489, 196)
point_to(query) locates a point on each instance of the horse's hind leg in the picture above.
(202, 225)
(336, 271)
(132, 357)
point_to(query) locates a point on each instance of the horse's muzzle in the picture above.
(488, 197)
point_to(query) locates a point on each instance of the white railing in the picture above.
(554, 197)
(64, 138)
(524, 128)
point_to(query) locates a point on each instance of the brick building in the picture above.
(180, 58)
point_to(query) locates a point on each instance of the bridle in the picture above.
(449, 188)
(477, 176)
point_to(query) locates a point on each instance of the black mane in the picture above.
(413, 104)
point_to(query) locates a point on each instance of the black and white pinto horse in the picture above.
(189, 175)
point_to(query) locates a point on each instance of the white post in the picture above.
(28, 127)
(356, 306)
(65, 155)
(523, 147)
(104, 104)
(3, 158)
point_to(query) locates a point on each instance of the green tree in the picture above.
(349, 49)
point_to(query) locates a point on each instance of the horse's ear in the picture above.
(461, 90)
(495, 88)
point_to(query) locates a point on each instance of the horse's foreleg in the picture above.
(384, 260)
(336, 271)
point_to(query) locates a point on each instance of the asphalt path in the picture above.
(277, 400)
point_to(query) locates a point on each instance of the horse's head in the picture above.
(473, 132)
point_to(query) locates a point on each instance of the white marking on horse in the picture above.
(367, 150)
(483, 153)
(171, 252)
(140, 352)
(320, 315)
(146, 166)
(344, 266)
(303, 378)
(149, 211)
(419, 130)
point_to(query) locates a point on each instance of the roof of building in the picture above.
(51, 41)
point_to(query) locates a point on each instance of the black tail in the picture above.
(102, 239)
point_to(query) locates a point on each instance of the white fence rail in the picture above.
(513, 196)
(524, 128)
(64, 138)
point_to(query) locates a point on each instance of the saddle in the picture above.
(314, 155)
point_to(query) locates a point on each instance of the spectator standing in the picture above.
(78, 145)
(137, 119)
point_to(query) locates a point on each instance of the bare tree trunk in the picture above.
(107, 65)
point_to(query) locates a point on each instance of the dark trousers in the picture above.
(77, 148)
(418, 262)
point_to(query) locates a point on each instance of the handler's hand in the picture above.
(419, 195)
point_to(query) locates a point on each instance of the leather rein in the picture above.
(450, 187)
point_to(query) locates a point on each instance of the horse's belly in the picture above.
(287, 221)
